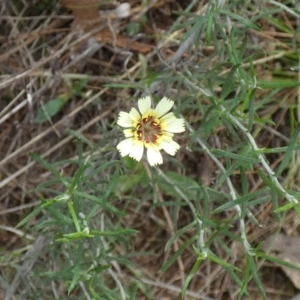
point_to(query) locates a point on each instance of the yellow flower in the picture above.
(149, 128)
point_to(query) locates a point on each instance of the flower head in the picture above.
(149, 128)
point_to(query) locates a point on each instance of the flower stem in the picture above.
(73, 214)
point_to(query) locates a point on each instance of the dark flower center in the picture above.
(148, 130)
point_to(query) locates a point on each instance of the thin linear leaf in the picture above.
(256, 277)
(290, 149)
(50, 168)
(101, 168)
(117, 232)
(133, 291)
(269, 183)
(276, 150)
(76, 178)
(174, 257)
(228, 85)
(81, 137)
(209, 27)
(190, 276)
(246, 277)
(220, 153)
(244, 199)
(284, 207)
(37, 210)
(113, 182)
(240, 19)
(122, 86)
(283, 83)
(76, 269)
(278, 261)
(234, 48)
(219, 261)
(56, 214)
(99, 201)
(179, 233)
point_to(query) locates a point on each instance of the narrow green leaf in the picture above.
(219, 261)
(240, 19)
(133, 291)
(290, 149)
(37, 210)
(276, 150)
(209, 27)
(56, 214)
(76, 178)
(234, 47)
(50, 168)
(285, 207)
(243, 48)
(81, 137)
(122, 86)
(246, 277)
(251, 109)
(206, 203)
(196, 27)
(174, 257)
(99, 201)
(74, 236)
(50, 109)
(76, 269)
(111, 186)
(220, 153)
(256, 277)
(223, 245)
(279, 23)
(169, 203)
(244, 199)
(283, 83)
(190, 276)
(278, 261)
(269, 183)
(229, 85)
(98, 170)
(117, 232)
(235, 278)
(179, 233)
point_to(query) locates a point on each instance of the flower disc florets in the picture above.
(150, 128)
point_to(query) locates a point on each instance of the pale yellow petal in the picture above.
(163, 106)
(144, 104)
(168, 118)
(136, 151)
(124, 120)
(155, 146)
(134, 115)
(154, 157)
(128, 132)
(125, 146)
(167, 136)
(151, 113)
(170, 147)
(176, 126)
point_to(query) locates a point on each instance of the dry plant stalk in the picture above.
(87, 14)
